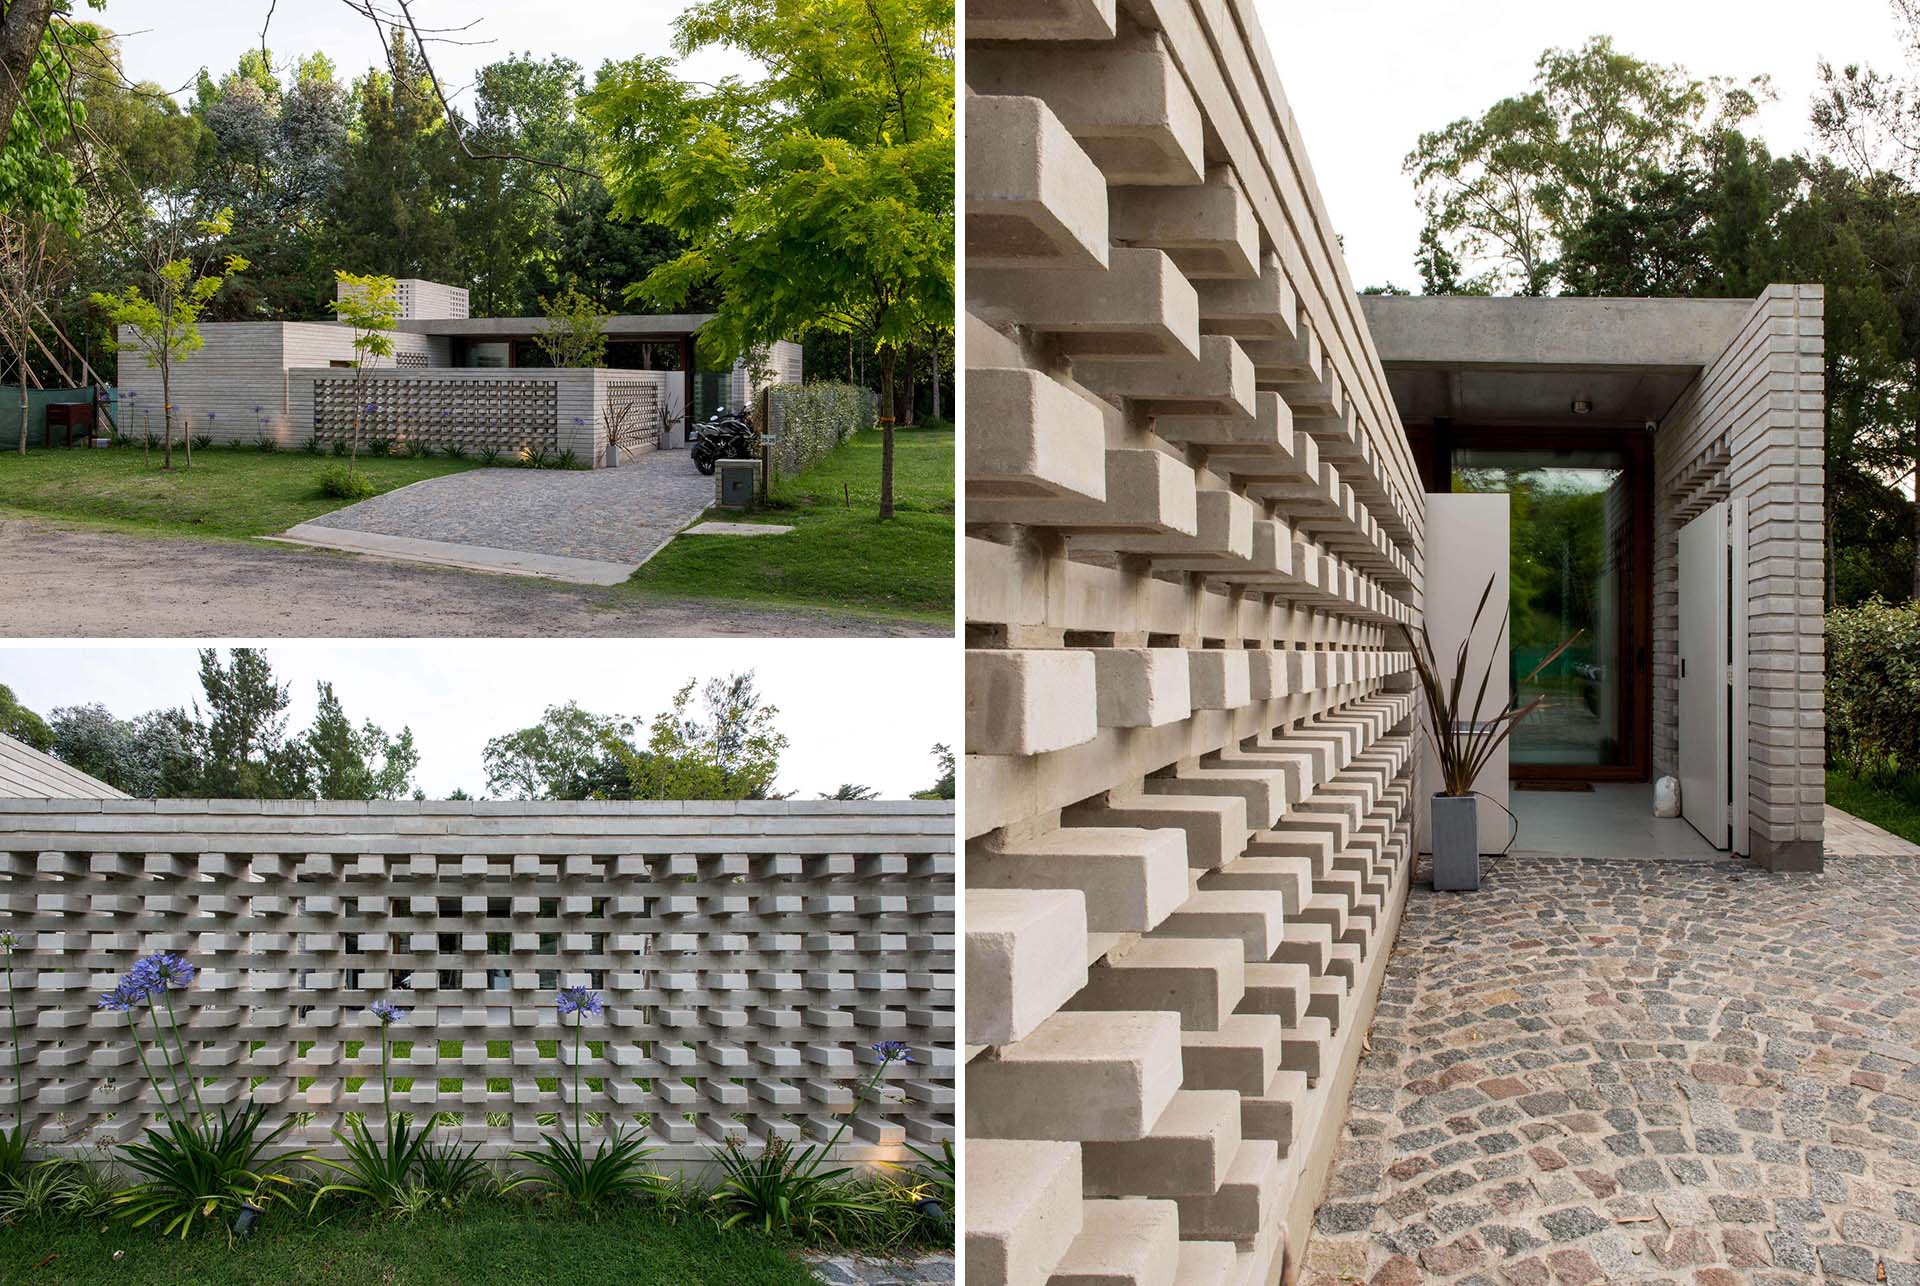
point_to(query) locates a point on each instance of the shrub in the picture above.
(489, 455)
(343, 482)
(808, 420)
(567, 460)
(266, 443)
(13, 1144)
(449, 1175)
(456, 452)
(312, 446)
(201, 441)
(379, 446)
(341, 447)
(1873, 689)
(535, 458)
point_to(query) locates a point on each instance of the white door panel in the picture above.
(1705, 681)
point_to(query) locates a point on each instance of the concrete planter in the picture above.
(612, 456)
(1456, 842)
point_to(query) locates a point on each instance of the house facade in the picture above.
(476, 383)
(1209, 488)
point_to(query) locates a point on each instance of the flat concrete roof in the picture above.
(1524, 361)
(622, 326)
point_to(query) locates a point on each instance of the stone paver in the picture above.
(855, 1270)
(618, 515)
(1612, 1071)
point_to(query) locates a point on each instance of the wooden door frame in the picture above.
(1433, 448)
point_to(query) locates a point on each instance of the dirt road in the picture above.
(67, 582)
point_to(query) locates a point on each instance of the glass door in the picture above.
(1574, 520)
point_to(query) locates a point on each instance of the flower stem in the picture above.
(186, 1066)
(820, 1157)
(140, 1048)
(386, 1082)
(578, 1144)
(19, 1078)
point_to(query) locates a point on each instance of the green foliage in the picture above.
(809, 420)
(205, 1170)
(50, 1190)
(780, 1191)
(151, 756)
(1506, 191)
(165, 327)
(564, 756)
(575, 333)
(1873, 690)
(346, 762)
(943, 787)
(380, 1167)
(22, 724)
(449, 1174)
(734, 753)
(343, 482)
(850, 791)
(614, 1170)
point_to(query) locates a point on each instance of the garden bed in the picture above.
(233, 493)
(839, 554)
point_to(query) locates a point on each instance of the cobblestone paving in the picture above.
(852, 1270)
(611, 515)
(1609, 1071)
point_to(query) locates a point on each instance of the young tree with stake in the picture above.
(370, 304)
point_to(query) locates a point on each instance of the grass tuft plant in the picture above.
(381, 1167)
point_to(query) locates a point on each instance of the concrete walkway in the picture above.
(591, 528)
(1614, 1071)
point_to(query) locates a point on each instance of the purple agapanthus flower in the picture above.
(577, 1000)
(160, 971)
(386, 1011)
(894, 1051)
(125, 995)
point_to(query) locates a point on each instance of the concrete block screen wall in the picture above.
(748, 955)
(1194, 528)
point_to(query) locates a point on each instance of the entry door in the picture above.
(1706, 673)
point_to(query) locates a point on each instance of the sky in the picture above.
(168, 41)
(1366, 77)
(866, 711)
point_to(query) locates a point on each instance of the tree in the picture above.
(165, 328)
(371, 306)
(733, 754)
(345, 762)
(1505, 191)
(943, 787)
(242, 737)
(818, 198)
(575, 334)
(564, 756)
(849, 791)
(22, 724)
(149, 757)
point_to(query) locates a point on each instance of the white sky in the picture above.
(855, 710)
(1366, 77)
(168, 41)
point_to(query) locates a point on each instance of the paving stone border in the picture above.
(1605, 1071)
(858, 1270)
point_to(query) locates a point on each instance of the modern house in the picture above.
(1208, 488)
(478, 383)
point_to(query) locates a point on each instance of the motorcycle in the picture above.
(725, 436)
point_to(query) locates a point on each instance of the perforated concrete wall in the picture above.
(748, 955)
(1194, 528)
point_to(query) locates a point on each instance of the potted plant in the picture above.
(1464, 742)
(616, 417)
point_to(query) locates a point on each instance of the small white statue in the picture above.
(1666, 797)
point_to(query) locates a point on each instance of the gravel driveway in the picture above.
(619, 517)
(62, 582)
(1615, 1071)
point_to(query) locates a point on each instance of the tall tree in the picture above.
(819, 197)
(242, 734)
(564, 756)
(1505, 191)
(345, 762)
(733, 753)
(22, 724)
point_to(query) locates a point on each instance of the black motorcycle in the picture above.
(725, 436)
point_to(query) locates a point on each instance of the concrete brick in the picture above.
(1080, 1076)
(1026, 954)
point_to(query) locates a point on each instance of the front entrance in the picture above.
(1581, 539)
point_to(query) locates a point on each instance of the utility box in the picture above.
(736, 484)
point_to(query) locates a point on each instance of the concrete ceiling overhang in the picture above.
(622, 326)
(1525, 362)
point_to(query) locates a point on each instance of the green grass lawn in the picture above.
(1893, 808)
(230, 493)
(839, 555)
(491, 1242)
